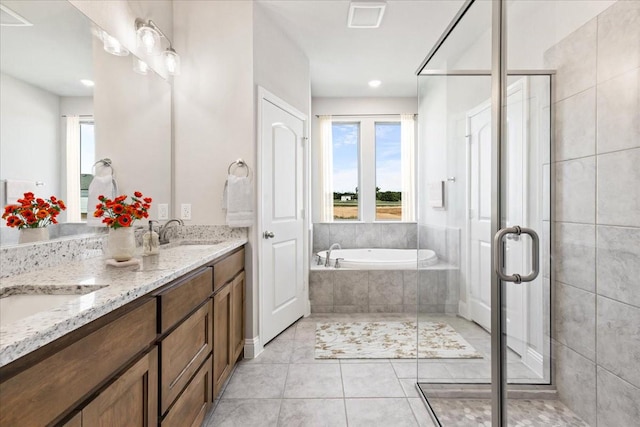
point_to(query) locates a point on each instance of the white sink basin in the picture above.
(22, 305)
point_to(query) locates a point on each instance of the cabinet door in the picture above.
(222, 362)
(182, 352)
(191, 407)
(237, 317)
(131, 401)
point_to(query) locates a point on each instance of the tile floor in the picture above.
(287, 386)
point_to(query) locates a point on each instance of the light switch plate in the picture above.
(185, 211)
(163, 211)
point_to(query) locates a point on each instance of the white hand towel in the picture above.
(101, 185)
(238, 201)
(15, 190)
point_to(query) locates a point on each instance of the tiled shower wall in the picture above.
(597, 229)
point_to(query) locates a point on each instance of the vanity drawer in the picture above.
(226, 269)
(180, 299)
(41, 394)
(192, 405)
(183, 351)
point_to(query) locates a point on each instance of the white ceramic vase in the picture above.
(121, 243)
(30, 235)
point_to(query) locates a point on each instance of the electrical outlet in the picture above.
(163, 211)
(185, 211)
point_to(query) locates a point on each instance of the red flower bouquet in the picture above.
(32, 212)
(118, 213)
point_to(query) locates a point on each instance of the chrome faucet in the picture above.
(162, 233)
(327, 262)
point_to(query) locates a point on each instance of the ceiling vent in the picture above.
(366, 14)
(9, 18)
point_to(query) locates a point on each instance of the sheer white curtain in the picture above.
(408, 149)
(72, 199)
(326, 169)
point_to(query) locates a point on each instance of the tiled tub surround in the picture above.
(383, 291)
(118, 287)
(597, 233)
(389, 291)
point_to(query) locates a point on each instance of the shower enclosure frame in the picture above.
(499, 75)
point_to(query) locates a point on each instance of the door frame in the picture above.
(264, 95)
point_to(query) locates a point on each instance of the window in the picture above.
(346, 167)
(366, 170)
(388, 172)
(87, 158)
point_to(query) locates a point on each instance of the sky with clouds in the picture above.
(345, 156)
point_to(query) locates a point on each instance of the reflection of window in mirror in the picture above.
(87, 159)
(80, 157)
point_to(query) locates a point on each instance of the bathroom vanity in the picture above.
(153, 347)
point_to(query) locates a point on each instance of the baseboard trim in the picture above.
(463, 310)
(252, 348)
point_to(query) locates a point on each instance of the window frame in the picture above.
(367, 166)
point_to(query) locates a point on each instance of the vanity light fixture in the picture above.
(172, 61)
(139, 66)
(375, 83)
(112, 45)
(87, 82)
(149, 37)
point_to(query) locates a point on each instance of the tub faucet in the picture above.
(327, 262)
(162, 234)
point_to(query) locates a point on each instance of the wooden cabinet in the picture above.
(130, 401)
(237, 316)
(222, 363)
(183, 351)
(158, 360)
(191, 407)
(47, 391)
(228, 317)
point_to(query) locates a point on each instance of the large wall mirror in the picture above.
(66, 103)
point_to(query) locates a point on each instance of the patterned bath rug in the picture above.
(390, 340)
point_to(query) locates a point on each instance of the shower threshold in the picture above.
(463, 405)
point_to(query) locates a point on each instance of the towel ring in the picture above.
(104, 162)
(241, 164)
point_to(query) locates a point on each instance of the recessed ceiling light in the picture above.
(365, 14)
(375, 83)
(87, 82)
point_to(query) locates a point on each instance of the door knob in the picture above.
(268, 235)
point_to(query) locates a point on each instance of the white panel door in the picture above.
(479, 190)
(282, 234)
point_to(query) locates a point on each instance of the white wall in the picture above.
(133, 127)
(29, 147)
(279, 65)
(228, 49)
(348, 106)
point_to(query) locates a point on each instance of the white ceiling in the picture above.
(53, 54)
(342, 60)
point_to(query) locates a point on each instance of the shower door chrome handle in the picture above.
(497, 254)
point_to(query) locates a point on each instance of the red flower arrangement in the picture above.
(117, 213)
(32, 212)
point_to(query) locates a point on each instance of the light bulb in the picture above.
(139, 66)
(375, 83)
(148, 39)
(112, 45)
(172, 62)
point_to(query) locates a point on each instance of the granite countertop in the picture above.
(115, 287)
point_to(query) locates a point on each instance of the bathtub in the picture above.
(381, 259)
